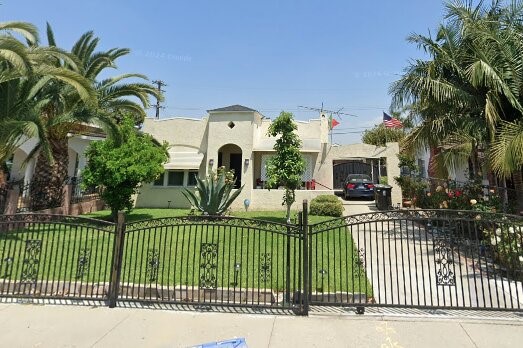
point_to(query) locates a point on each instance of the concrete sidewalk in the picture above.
(83, 326)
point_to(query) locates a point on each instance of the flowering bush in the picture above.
(447, 194)
(507, 243)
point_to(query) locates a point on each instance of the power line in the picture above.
(269, 109)
(159, 84)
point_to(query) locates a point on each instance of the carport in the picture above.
(379, 162)
(373, 167)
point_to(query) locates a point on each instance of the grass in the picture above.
(172, 255)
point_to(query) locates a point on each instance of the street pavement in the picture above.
(49, 325)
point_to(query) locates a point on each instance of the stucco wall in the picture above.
(178, 131)
(271, 200)
(260, 199)
(159, 197)
(241, 135)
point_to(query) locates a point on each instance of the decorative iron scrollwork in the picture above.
(83, 263)
(6, 265)
(422, 216)
(359, 262)
(265, 267)
(153, 265)
(208, 265)
(443, 255)
(33, 247)
(262, 225)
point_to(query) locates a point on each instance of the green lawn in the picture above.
(171, 255)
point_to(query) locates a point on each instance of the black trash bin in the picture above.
(383, 197)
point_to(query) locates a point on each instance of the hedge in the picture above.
(326, 205)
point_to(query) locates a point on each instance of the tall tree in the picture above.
(287, 166)
(25, 72)
(470, 86)
(64, 113)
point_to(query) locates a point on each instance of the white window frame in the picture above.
(185, 183)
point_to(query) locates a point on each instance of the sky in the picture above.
(270, 55)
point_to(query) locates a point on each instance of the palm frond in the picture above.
(27, 30)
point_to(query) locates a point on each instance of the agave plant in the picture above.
(214, 193)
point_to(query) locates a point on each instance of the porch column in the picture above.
(29, 170)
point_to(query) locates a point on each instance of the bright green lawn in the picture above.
(171, 255)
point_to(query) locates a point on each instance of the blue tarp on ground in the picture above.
(234, 343)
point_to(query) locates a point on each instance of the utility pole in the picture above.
(159, 84)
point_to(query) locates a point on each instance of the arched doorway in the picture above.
(230, 156)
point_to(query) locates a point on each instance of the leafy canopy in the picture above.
(120, 167)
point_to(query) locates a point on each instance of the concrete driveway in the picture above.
(358, 206)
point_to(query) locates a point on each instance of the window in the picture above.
(159, 181)
(191, 181)
(175, 178)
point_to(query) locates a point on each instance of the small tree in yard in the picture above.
(120, 166)
(287, 166)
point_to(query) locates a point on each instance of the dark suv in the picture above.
(358, 186)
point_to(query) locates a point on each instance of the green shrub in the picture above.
(326, 198)
(326, 205)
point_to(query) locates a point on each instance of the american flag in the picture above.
(391, 122)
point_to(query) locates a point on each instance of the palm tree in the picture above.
(24, 71)
(113, 93)
(63, 112)
(471, 85)
(507, 155)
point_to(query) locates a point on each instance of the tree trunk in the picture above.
(517, 179)
(505, 195)
(2, 177)
(49, 177)
(434, 170)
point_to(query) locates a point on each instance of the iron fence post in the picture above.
(288, 267)
(116, 266)
(305, 244)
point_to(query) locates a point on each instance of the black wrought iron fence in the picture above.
(211, 261)
(400, 258)
(52, 256)
(81, 193)
(24, 198)
(418, 258)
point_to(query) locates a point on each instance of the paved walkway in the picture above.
(391, 247)
(84, 326)
(358, 206)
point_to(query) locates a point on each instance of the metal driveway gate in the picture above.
(343, 169)
(418, 258)
(211, 261)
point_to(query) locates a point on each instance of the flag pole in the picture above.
(385, 132)
(330, 126)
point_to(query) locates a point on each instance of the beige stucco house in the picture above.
(236, 137)
(23, 165)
